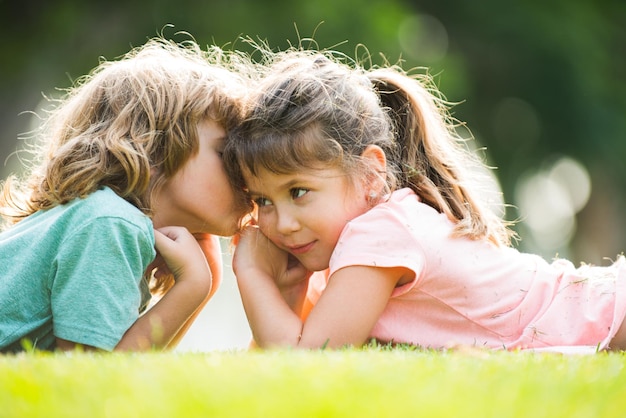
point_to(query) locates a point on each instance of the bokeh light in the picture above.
(516, 122)
(549, 199)
(423, 38)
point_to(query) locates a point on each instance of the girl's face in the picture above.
(199, 196)
(304, 213)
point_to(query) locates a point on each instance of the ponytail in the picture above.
(313, 107)
(429, 156)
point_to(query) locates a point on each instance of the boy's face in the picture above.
(199, 196)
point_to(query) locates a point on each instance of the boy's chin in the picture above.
(224, 230)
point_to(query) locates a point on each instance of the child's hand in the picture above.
(260, 265)
(255, 252)
(182, 254)
(166, 322)
(209, 244)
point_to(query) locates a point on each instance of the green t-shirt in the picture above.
(74, 272)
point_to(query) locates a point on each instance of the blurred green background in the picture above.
(540, 83)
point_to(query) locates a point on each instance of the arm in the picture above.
(254, 251)
(344, 315)
(161, 324)
(210, 246)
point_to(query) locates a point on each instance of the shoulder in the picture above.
(385, 216)
(401, 210)
(106, 204)
(106, 201)
(404, 215)
(101, 216)
(383, 236)
(99, 212)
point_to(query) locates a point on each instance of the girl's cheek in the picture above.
(265, 226)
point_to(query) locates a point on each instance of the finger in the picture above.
(171, 232)
(160, 238)
(165, 241)
(176, 234)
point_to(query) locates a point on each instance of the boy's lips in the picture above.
(301, 249)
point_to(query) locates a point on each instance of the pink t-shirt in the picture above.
(469, 292)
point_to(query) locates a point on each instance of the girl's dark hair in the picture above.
(313, 107)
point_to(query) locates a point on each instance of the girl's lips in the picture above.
(301, 249)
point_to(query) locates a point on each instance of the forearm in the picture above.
(351, 304)
(295, 296)
(272, 321)
(182, 331)
(212, 250)
(159, 326)
(273, 287)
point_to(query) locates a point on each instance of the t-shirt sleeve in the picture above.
(95, 288)
(379, 239)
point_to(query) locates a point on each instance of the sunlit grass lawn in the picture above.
(345, 383)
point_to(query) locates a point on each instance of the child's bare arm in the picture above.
(344, 315)
(158, 327)
(255, 251)
(210, 246)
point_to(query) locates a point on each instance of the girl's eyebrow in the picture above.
(281, 186)
(289, 184)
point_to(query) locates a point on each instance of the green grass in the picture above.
(346, 383)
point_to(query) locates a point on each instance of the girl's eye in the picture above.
(297, 192)
(261, 201)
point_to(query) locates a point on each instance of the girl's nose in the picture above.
(286, 222)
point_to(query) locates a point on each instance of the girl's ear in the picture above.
(376, 160)
(375, 157)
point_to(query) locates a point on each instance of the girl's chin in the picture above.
(313, 266)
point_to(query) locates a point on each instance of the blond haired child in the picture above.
(129, 159)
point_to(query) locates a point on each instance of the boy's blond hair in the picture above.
(130, 124)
